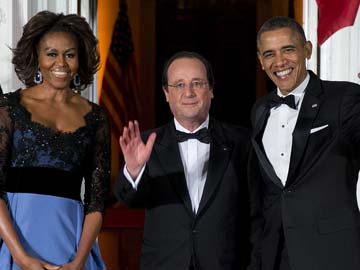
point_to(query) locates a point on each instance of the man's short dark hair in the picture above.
(191, 55)
(278, 22)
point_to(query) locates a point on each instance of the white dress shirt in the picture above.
(194, 156)
(277, 137)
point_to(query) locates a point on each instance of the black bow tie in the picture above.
(203, 135)
(275, 101)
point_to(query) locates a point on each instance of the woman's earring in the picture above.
(76, 80)
(38, 77)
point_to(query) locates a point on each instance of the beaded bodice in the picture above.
(25, 143)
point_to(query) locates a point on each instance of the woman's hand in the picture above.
(8, 234)
(73, 266)
(30, 263)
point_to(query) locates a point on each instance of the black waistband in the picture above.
(47, 181)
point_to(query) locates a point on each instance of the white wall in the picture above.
(12, 17)
(339, 56)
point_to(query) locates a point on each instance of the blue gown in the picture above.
(41, 171)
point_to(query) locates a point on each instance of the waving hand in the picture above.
(135, 151)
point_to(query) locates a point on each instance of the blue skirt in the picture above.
(49, 228)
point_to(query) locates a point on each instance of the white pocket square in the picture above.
(313, 130)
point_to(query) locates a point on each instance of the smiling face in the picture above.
(58, 59)
(282, 54)
(189, 105)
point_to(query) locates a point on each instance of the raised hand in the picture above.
(135, 152)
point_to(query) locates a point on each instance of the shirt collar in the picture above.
(299, 91)
(179, 127)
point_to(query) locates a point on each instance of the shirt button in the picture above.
(282, 126)
(282, 154)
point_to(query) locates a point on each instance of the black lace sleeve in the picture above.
(97, 177)
(6, 128)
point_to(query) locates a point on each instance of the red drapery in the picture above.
(334, 15)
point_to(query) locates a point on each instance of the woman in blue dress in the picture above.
(51, 139)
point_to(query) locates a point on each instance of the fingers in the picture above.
(130, 132)
(150, 142)
(122, 143)
(34, 263)
(51, 266)
(125, 136)
(137, 129)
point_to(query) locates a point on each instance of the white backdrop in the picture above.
(339, 56)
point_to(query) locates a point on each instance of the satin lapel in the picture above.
(262, 114)
(168, 153)
(266, 165)
(220, 152)
(308, 112)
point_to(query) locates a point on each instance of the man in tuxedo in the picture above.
(189, 176)
(306, 140)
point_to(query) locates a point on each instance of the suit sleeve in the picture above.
(125, 191)
(256, 214)
(255, 184)
(350, 118)
(127, 194)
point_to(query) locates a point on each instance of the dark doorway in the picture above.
(223, 31)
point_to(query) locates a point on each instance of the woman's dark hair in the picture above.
(186, 54)
(25, 58)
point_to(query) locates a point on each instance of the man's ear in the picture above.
(308, 49)
(166, 92)
(212, 93)
(260, 60)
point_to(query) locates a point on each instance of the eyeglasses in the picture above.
(195, 85)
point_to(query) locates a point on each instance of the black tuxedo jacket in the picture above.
(216, 237)
(316, 211)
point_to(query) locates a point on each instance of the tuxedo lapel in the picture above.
(261, 117)
(220, 152)
(167, 150)
(308, 112)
